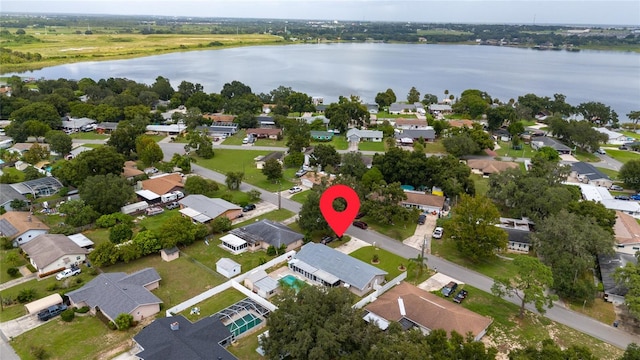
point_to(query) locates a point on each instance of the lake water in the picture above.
(332, 70)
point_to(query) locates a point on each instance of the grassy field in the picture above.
(398, 231)
(631, 134)
(481, 183)
(89, 136)
(600, 310)
(435, 148)
(612, 174)
(8, 259)
(338, 142)
(243, 160)
(623, 155)
(214, 304)
(236, 139)
(385, 115)
(63, 47)
(15, 174)
(391, 264)
(507, 152)
(586, 156)
(371, 146)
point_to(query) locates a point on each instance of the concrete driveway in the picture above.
(13, 328)
(422, 234)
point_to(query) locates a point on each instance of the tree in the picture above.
(561, 243)
(147, 242)
(235, 89)
(529, 284)
(120, 233)
(106, 193)
(473, 103)
(78, 213)
(547, 153)
(163, 88)
(300, 102)
(310, 218)
(36, 128)
(246, 120)
(234, 179)
(297, 134)
(220, 224)
(597, 213)
(384, 99)
(324, 155)
(18, 204)
(200, 185)
(179, 230)
(272, 169)
(460, 145)
(39, 111)
(347, 111)
(632, 352)
(497, 116)
(429, 99)
(123, 138)
(597, 113)
(352, 165)
(202, 144)
(105, 253)
(413, 96)
(124, 321)
(629, 277)
(630, 174)
(181, 161)
(634, 116)
(549, 350)
(149, 152)
(36, 154)
(473, 227)
(59, 142)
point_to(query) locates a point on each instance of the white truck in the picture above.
(168, 197)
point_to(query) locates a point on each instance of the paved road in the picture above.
(558, 313)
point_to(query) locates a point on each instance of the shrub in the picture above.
(31, 268)
(26, 295)
(7, 300)
(112, 325)
(39, 353)
(82, 310)
(13, 271)
(220, 224)
(120, 233)
(6, 243)
(79, 280)
(68, 315)
(52, 287)
(254, 195)
(124, 321)
(271, 251)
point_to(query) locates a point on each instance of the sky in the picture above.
(570, 12)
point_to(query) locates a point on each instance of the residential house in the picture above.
(21, 227)
(602, 195)
(77, 151)
(425, 202)
(130, 170)
(488, 167)
(608, 264)
(408, 124)
(113, 294)
(260, 236)
(262, 284)
(542, 115)
(261, 160)
(174, 129)
(23, 148)
(357, 135)
(7, 195)
(403, 108)
(203, 209)
(176, 337)
(626, 233)
(164, 183)
(219, 129)
(589, 174)
(50, 253)
(414, 308)
(372, 108)
(178, 112)
(265, 133)
(519, 233)
(326, 266)
(321, 108)
(615, 138)
(75, 124)
(106, 127)
(228, 268)
(409, 136)
(266, 122)
(542, 141)
(321, 135)
(440, 109)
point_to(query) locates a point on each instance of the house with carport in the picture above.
(589, 174)
(202, 209)
(414, 308)
(113, 294)
(357, 135)
(163, 184)
(518, 232)
(325, 266)
(408, 136)
(409, 124)
(7, 195)
(614, 292)
(615, 138)
(626, 234)
(51, 253)
(261, 160)
(265, 133)
(260, 236)
(21, 227)
(425, 202)
(486, 167)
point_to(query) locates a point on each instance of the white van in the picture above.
(169, 197)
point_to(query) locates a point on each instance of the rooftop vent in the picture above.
(175, 326)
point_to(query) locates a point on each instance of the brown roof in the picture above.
(163, 184)
(461, 123)
(27, 146)
(22, 221)
(264, 131)
(411, 122)
(428, 310)
(626, 228)
(47, 248)
(491, 166)
(130, 169)
(219, 117)
(424, 199)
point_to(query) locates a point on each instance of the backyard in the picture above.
(214, 304)
(338, 142)
(9, 259)
(507, 152)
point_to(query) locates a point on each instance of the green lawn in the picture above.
(226, 160)
(386, 115)
(623, 155)
(8, 259)
(481, 183)
(97, 235)
(236, 139)
(507, 152)
(399, 231)
(435, 147)
(89, 136)
(214, 304)
(85, 337)
(16, 175)
(301, 197)
(275, 215)
(600, 310)
(612, 174)
(371, 146)
(391, 264)
(631, 134)
(586, 156)
(338, 142)
(245, 347)
(270, 142)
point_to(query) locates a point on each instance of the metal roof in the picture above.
(147, 194)
(38, 185)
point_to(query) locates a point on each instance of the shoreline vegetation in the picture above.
(63, 39)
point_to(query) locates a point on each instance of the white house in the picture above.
(50, 253)
(21, 227)
(357, 135)
(228, 267)
(615, 138)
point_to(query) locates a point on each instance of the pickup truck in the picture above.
(73, 271)
(51, 312)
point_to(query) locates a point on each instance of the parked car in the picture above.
(51, 312)
(635, 197)
(327, 239)
(421, 219)
(623, 147)
(173, 205)
(249, 207)
(449, 289)
(301, 172)
(72, 271)
(360, 215)
(616, 188)
(295, 189)
(245, 140)
(601, 152)
(360, 224)
(460, 296)
(437, 233)
(622, 197)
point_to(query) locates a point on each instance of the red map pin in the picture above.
(339, 221)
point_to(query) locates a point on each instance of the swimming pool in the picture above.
(292, 282)
(244, 324)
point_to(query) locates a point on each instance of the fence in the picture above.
(371, 297)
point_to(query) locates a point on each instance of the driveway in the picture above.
(423, 234)
(13, 328)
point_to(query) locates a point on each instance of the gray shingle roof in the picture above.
(7, 193)
(208, 206)
(117, 293)
(589, 171)
(348, 269)
(191, 341)
(417, 133)
(608, 265)
(268, 231)
(46, 248)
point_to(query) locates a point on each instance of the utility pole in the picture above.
(279, 195)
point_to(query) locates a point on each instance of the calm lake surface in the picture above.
(332, 70)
